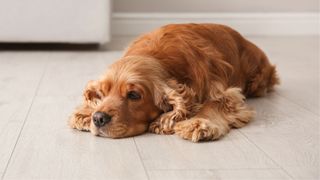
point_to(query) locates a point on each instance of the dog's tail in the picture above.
(262, 76)
(263, 82)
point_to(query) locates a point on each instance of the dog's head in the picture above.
(127, 98)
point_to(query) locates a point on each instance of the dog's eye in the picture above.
(133, 95)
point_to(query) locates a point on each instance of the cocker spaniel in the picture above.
(184, 79)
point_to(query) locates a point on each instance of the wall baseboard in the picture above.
(256, 24)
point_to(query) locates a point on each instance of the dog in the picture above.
(184, 79)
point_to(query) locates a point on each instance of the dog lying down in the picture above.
(184, 79)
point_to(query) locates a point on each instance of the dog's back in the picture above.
(200, 54)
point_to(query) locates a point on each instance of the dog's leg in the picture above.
(180, 104)
(81, 118)
(227, 109)
(164, 124)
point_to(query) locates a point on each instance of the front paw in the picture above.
(165, 123)
(157, 128)
(80, 121)
(199, 129)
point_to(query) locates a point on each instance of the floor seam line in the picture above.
(266, 154)
(143, 165)
(24, 121)
(214, 169)
(302, 107)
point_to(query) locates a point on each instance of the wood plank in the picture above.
(304, 172)
(49, 149)
(20, 74)
(297, 61)
(301, 88)
(287, 133)
(277, 114)
(209, 174)
(233, 151)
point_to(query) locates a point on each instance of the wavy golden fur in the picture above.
(187, 79)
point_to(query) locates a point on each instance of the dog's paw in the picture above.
(154, 127)
(164, 124)
(80, 122)
(158, 128)
(198, 129)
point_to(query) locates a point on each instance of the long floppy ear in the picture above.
(172, 96)
(160, 95)
(92, 93)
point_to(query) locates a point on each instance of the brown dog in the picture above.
(187, 79)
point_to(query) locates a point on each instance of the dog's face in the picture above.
(124, 100)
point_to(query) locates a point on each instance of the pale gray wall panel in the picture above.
(215, 5)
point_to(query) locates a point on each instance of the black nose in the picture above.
(101, 118)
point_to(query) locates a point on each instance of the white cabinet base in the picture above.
(57, 21)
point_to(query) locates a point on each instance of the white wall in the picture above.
(216, 5)
(249, 17)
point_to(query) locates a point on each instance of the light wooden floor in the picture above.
(40, 89)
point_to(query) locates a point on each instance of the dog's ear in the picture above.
(92, 93)
(172, 96)
(160, 95)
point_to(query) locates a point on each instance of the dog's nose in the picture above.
(101, 118)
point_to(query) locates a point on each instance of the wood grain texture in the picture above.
(233, 151)
(20, 75)
(210, 174)
(297, 61)
(287, 133)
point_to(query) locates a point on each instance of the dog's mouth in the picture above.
(102, 134)
(98, 132)
(109, 132)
